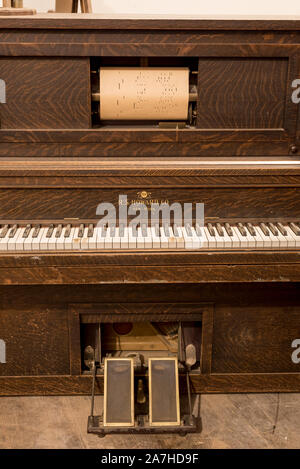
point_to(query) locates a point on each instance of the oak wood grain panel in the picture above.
(223, 202)
(143, 275)
(56, 297)
(164, 258)
(241, 93)
(45, 93)
(248, 340)
(36, 344)
(127, 49)
(150, 150)
(117, 22)
(82, 385)
(182, 36)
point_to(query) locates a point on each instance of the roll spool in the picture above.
(145, 93)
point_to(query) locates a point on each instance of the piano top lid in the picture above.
(164, 22)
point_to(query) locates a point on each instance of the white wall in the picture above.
(187, 7)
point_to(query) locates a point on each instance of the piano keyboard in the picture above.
(225, 236)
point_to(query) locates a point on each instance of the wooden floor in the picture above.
(229, 421)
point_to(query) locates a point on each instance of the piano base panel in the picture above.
(245, 335)
(204, 384)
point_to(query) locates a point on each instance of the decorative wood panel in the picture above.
(82, 203)
(252, 340)
(242, 93)
(45, 93)
(36, 343)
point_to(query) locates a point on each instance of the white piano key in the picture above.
(44, 240)
(180, 243)
(293, 236)
(60, 241)
(164, 241)
(84, 243)
(266, 239)
(52, 243)
(20, 240)
(188, 240)
(140, 243)
(148, 239)
(76, 240)
(219, 239)
(274, 240)
(116, 243)
(172, 239)
(235, 240)
(69, 239)
(203, 241)
(92, 240)
(11, 244)
(250, 238)
(132, 238)
(259, 243)
(212, 242)
(35, 243)
(155, 239)
(283, 242)
(228, 240)
(4, 242)
(28, 241)
(196, 240)
(125, 238)
(108, 241)
(101, 235)
(243, 239)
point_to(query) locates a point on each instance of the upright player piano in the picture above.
(190, 307)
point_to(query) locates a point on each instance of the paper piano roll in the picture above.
(139, 93)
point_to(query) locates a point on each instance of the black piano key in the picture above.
(50, 231)
(210, 229)
(103, 231)
(281, 228)
(4, 231)
(273, 229)
(27, 231)
(13, 231)
(241, 229)
(58, 231)
(36, 231)
(67, 231)
(219, 229)
(295, 228)
(90, 230)
(81, 231)
(228, 229)
(264, 229)
(251, 229)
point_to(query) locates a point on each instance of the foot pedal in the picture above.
(118, 392)
(125, 413)
(164, 405)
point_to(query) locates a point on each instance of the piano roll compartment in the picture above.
(148, 92)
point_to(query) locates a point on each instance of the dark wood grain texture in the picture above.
(45, 93)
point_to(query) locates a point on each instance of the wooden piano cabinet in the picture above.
(247, 333)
